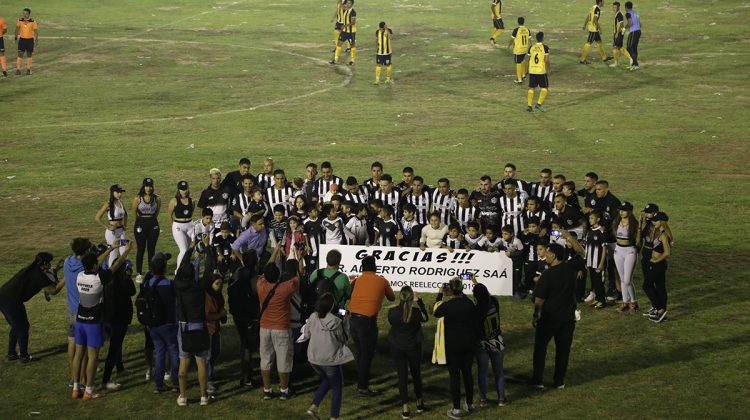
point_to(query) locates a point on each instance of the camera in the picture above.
(556, 233)
(465, 276)
(124, 242)
(343, 312)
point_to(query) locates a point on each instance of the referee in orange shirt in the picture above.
(3, 30)
(27, 37)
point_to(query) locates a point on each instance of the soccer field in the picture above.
(166, 89)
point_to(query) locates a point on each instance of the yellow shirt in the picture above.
(26, 28)
(350, 21)
(496, 9)
(537, 55)
(384, 41)
(521, 40)
(594, 12)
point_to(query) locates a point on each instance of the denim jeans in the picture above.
(483, 364)
(331, 378)
(165, 340)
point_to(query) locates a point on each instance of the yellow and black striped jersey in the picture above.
(497, 6)
(383, 38)
(593, 13)
(619, 20)
(349, 20)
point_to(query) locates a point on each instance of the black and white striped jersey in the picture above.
(512, 209)
(543, 193)
(264, 181)
(443, 204)
(422, 202)
(596, 242)
(284, 196)
(392, 199)
(474, 243)
(322, 186)
(542, 215)
(454, 243)
(465, 215)
(362, 196)
(241, 203)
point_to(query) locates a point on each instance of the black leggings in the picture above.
(655, 283)
(459, 364)
(114, 355)
(632, 47)
(249, 343)
(405, 361)
(146, 231)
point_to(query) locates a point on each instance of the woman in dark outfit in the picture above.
(243, 306)
(461, 337)
(19, 289)
(118, 314)
(405, 338)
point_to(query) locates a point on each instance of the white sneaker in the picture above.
(590, 298)
(211, 388)
(611, 65)
(182, 401)
(204, 400)
(578, 315)
(167, 377)
(113, 386)
(139, 278)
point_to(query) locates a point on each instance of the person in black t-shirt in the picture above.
(19, 289)
(554, 314)
(233, 180)
(216, 197)
(488, 201)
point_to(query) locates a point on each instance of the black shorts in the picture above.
(538, 80)
(594, 37)
(383, 59)
(26, 45)
(618, 40)
(348, 36)
(519, 58)
(2, 44)
(498, 23)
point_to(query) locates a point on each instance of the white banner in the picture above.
(426, 271)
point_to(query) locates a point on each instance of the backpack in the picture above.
(148, 305)
(324, 284)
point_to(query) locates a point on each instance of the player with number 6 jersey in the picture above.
(538, 67)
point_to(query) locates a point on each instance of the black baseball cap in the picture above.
(182, 185)
(148, 182)
(651, 208)
(660, 215)
(116, 188)
(626, 206)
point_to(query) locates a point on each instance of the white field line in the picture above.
(343, 83)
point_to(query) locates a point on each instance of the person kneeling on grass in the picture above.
(19, 289)
(89, 328)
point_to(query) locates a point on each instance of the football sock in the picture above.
(19, 63)
(388, 72)
(542, 95)
(2, 63)
(29, 60)
(336, 34)
(530, 96)
(354, 54)
(585, 52)
(378, 69)
(336, 54)
(89, 389)
(626, 54)
(520, 71)
(496, 33)
(601, 50)
(616, 54)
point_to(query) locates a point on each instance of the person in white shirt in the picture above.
(433, 234)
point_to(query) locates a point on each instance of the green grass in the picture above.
(121, 90)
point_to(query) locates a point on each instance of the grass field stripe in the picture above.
(149, 30)
(343, 83)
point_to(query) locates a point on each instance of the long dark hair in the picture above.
(142, 191)
(324, 305)
(484, 299)
(406, 301)
(111, 204)
(632, 226)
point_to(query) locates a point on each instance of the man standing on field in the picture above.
(3, 30)
(27, 37)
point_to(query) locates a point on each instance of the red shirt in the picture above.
(278, 314)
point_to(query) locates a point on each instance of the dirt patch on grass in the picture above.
(300, 45)
(168, 8)
(420, 7)
(79, 58)
(471, 47)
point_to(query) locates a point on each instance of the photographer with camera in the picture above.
(31, 279)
